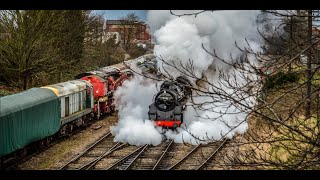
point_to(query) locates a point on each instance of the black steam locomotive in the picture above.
(169, 103)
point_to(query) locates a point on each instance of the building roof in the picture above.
(119, 22)
(113, 21)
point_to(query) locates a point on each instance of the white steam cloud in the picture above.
(180, 39)
(132, 100)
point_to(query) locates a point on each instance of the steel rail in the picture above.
(184, 158)
(137, 156)
(126, 157)
(163, 154)
(85, 151)
(213, 154)
(95, 161)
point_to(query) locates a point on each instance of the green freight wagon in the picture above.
(27, 117)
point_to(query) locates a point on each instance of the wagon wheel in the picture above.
(45, 142)
(63, 130)
(49, 139)
(71, 127)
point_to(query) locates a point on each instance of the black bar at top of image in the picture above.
(159, 4)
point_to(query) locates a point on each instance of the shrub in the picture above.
(279, 80)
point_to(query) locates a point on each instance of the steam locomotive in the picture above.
(170, 102)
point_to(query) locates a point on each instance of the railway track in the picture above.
(168, 156)
(93, 154)
(151, 157)
(174, 154)
(212, 155)
(198, 157)
(108, 155)
(126, 162)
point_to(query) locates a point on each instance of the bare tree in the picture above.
(100, 51)
(131, 28)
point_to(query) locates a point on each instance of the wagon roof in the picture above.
(96, 77)
(69, 87)
(26, 99)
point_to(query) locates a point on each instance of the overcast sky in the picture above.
(117, 14)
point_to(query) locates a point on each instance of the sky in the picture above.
(117, 14)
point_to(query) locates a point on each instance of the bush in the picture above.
(6, 90)
(136, 51)
(280, 79)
